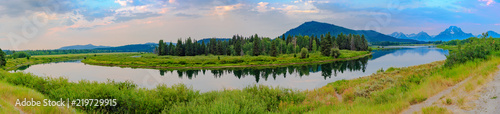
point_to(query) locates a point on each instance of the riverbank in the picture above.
(13, 64)
(215, 62)
(9, 94)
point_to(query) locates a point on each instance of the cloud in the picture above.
(221, 10)
(123, 3)
(262, 6)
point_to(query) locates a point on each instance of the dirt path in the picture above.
(431, 100)
(488, 102)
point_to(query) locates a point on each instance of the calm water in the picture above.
(298, 77)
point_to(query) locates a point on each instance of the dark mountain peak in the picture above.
(453, 32)
(318, 28)
(399, 35)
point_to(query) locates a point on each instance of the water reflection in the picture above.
(328, 70)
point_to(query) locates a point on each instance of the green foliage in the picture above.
(335, 53)
(174, 99)
(20, 55)
(474, 48)
(273, 52)
(303, 53)
(3, 62)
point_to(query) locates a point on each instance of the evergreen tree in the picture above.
(325, 47)
(172, 49)
(256, 46)
(202, 49)
(237, 47)
(273, 51)
(3, 62)
(179, 48)
(160, 47)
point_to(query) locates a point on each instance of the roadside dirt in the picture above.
(488, 102)
(431, 100)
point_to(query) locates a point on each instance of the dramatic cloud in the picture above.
(55, 23)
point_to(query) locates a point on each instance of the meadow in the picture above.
(13, 64)
(150, 60)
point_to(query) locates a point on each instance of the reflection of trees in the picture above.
(327, 70)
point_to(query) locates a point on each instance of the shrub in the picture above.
(335, 52)
(303, 53)
(20, 55)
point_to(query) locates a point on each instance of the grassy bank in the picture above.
(448, 47)
(10, 93)
(177, 62)
(13, 64)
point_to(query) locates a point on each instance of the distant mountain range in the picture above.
(88, 46)
(319, 28)
(451, 33)
(421, 36)
(492, 34)
(147, 47)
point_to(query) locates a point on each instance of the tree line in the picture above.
(255, 45)
(3, 62)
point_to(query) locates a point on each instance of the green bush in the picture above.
(303, 53)
(20, 55)
(335, 52)
(474, 48)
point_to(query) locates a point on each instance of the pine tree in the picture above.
(3, 62)
(273, 50)
(256, 46)
(325, 47)
(179, 48)
(160, 48)
(202, 49)
(237, 47)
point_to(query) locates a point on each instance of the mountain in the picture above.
(88, 46)
(492, 34)
(319, 28)
(452, 33)
(147, 47)
(421, 36)
(399, 35)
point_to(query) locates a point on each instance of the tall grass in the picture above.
(9, 94)
(174, 99)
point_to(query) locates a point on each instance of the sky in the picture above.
(51, 24)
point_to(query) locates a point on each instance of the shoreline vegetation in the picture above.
(214, 62)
